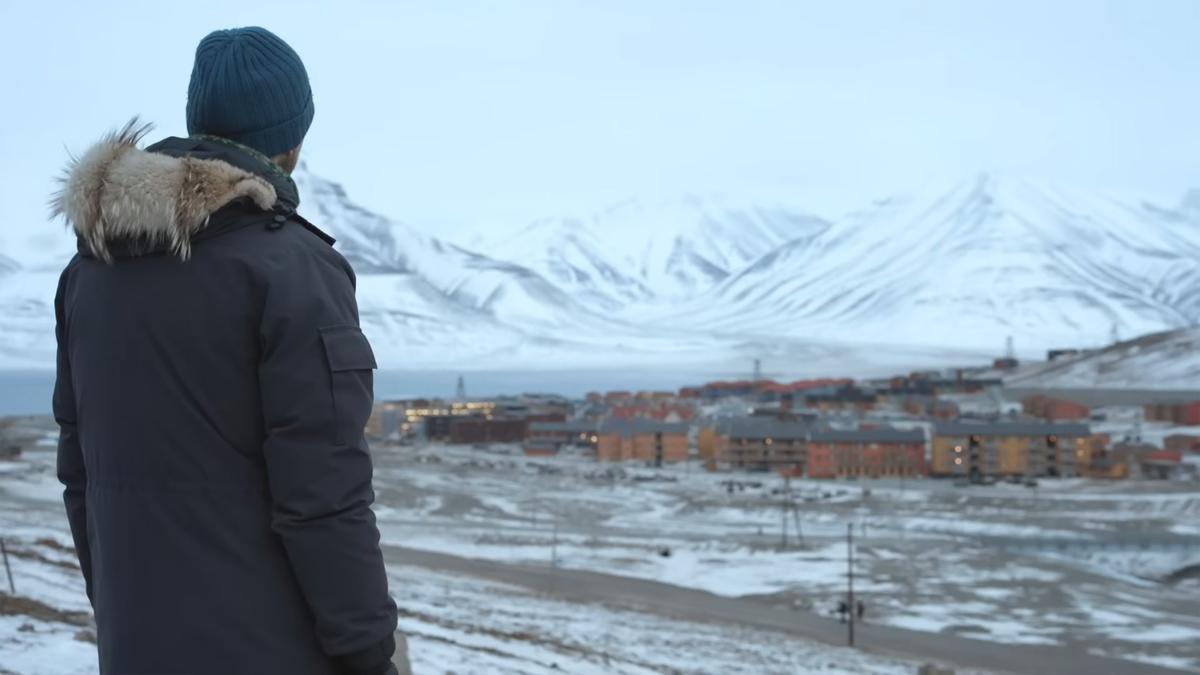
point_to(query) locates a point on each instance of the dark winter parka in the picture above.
(213, 385)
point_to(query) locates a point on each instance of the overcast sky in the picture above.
(453, 115)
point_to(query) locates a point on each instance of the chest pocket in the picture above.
(351, 363)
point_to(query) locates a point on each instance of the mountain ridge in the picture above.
(952, 267)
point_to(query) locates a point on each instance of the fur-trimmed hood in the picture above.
(118, 192)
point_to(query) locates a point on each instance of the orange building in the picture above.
(761, 444)
(871, 453)
(642, 440)
(1010, 449)
(1103, 460)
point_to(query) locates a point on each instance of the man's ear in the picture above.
(289, 160)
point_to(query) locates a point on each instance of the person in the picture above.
(843, 611)
(861, 609)
(212, 389)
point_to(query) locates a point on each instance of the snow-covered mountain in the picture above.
(661, 250)
(1166, 360)
(661, 283)
(970, 264)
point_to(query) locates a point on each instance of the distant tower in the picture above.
(1009, 352)
(1114, 336)
(757, 369)
(460, 392)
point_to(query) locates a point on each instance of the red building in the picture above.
(872, 453)
(1182, 443)
(469, 430)
(1053, 409)
(1187, 414)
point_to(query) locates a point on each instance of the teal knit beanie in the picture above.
(249, 86)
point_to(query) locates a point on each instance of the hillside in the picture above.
(1166, 360)
(936, 276)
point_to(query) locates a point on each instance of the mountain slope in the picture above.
(421, 300)
(970, 265)
(1166, 360)
(698, 281)
(646, 251)
(439, 275)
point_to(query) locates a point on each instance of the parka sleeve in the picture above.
(315, 376)
(72, 472)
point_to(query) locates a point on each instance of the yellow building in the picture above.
(761, 444)
(1010, 449)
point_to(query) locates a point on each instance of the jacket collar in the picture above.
(237, 155)
(124, 200)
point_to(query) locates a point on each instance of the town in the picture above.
(963, 425)
(986, 524)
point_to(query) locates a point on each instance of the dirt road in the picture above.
(695, 605)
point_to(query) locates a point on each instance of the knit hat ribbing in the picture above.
(249, 86)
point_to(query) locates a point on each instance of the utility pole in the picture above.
(554, 543)
(796, 514)
(850, 580)
(4, 550)
(796, 519)
(786, 487)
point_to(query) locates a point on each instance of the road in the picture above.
(696, 605)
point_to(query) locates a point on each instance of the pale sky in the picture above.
(454, 115)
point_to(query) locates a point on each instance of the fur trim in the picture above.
(116, 190)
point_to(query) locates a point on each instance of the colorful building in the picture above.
(475, 430)
(551, 437)
(870, 453)
(1186, 414)
(1009, 449)
(761, 444)
(1182, 442)
(846, 397)
(642, 440)
(1054, 409)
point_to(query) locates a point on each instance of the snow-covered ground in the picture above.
(453, 623)
(1164, 360)
(1072, 562)
(461, 625)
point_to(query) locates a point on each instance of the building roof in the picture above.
(841, 394)
(1011, 429)
(765, 427)
(574, 427)
(869, 436)
(630, 427)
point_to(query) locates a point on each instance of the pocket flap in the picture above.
(347, 348)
